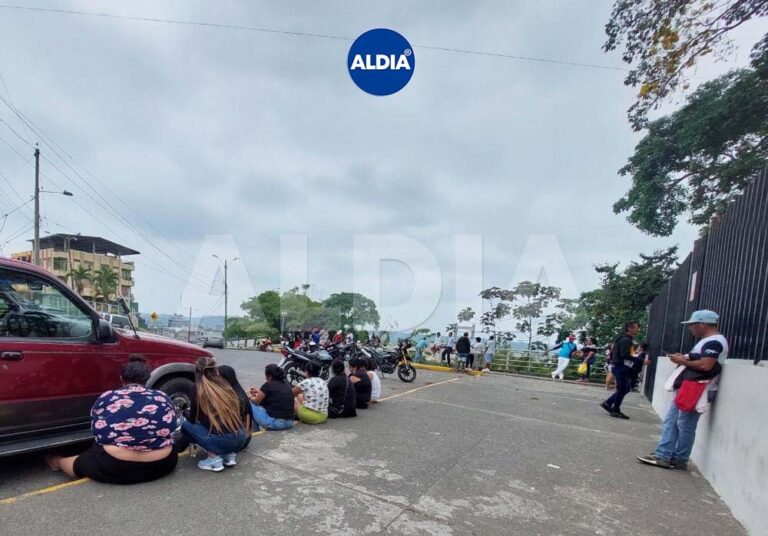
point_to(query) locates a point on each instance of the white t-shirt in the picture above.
(478, 348)
(705, 348)
(316, 394)
(375, 385)
(491, 349)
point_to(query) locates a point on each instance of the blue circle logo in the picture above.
(381, 62)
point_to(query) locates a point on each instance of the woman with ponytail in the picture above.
(272, 403)
(218, 421)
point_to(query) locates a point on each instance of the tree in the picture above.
(698, 158)
(80, 276)
(623, 295)
(265, 307)
(353, 309)
(499, 309)
(105, 281)
(531, 300)
(666, 38)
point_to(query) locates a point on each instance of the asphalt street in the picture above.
(448, 454)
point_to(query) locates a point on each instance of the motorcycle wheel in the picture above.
(406, 373)
(293, 374)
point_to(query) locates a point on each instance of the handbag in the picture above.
(689, 394)
(582, 368)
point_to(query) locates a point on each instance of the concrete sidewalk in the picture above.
(486, 455)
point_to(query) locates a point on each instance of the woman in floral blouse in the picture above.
(312, 397)
(133, 430)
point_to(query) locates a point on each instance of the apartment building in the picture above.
(60, 254)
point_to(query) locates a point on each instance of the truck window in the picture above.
(31, 307)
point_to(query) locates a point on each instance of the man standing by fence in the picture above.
(623, 358)
(696, 374)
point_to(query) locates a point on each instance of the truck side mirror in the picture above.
(105, 332)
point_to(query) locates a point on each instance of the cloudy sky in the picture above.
(203, 140)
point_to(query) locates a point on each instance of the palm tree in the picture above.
(79, 276)
(105, 281)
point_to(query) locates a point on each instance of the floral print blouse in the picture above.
(135, 418)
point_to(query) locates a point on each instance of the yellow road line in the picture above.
(49, 489)
(73, 483)
(419, 389)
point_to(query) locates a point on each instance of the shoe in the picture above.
(652, 459)
(211, 464)
(619, 415)
(230, 460)
(553, 375)
(606, 407)
(681, 466)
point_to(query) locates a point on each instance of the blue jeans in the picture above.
(463, 358)
(677, 434)
(623, 386)
(262, 418)
(213, 442)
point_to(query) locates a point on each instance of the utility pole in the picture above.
(36, 243)
(189, 326)
(226, 296)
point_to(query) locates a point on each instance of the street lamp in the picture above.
(226, 295)
(282, 322)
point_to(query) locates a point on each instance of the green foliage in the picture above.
(699, 157)
(353, 309)
(623, 295)
(105, 281)
(80, 276)
(245, 328)
(465, 315)
(296, 311)
(527, 303)
(664, 39)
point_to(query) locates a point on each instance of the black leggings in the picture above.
(97, 464)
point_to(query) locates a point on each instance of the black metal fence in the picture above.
(727, 272)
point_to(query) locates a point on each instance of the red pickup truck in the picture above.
(57, 356)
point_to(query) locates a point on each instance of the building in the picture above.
(61, 254)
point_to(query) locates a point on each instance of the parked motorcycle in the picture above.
(294, 364)
(391, 361)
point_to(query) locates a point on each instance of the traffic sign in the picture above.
(153, 316)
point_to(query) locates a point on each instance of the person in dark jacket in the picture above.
(622, 359)
(463, 348)
(359, 378)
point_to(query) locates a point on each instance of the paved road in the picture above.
(447, 454)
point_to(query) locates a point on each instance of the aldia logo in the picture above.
(381, 62)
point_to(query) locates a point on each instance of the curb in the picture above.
(438, 368)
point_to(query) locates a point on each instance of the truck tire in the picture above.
(180, 390)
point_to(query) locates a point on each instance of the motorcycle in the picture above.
(391, 361)
(294, 364)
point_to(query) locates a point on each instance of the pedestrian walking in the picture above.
(490, 350)
(694, 381)
(622, 359)
(588, 357)
(609, 379)
(450, 342)
(567, 349)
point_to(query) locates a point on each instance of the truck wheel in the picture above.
(179, 390)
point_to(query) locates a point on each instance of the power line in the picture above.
(115, 213)
(239, 27)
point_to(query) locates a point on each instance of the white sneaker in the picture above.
(230, 460)
(211, 464)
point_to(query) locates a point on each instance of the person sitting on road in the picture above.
(272, 404)
(359, 377)
(370, 367)
(311, 402)
(133, 427)
(219, 421)
(229, 375)
(342, 393)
